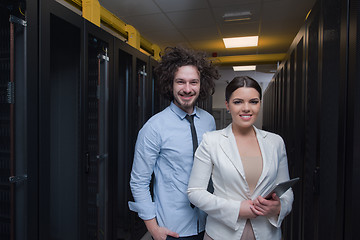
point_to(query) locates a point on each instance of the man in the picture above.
(165, 147)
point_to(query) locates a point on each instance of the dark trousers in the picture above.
(200, 236)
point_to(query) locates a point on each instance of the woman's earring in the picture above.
(228, 111)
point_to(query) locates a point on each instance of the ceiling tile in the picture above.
(222, 3)
(239, 29)
(130, 7)
(192, 19)
(275, 43)
(208, 46)
(285, 10)
(204, 34)
(183, 5)
(150, 22)
(161, 37)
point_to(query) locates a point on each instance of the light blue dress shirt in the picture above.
(164, 146)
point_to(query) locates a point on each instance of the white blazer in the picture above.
(218, 156)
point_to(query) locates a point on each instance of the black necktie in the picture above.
(190, 118)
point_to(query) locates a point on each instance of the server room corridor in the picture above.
(78, 82)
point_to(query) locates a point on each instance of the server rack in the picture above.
(350, 97)
(134, 100)
(317, 121)
(123, 75)
(80, 91)
(99, 160)
(13, 165)
(60, 109)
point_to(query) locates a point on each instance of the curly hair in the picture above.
(176, 57)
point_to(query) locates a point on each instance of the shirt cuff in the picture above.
(145, 210)
(277, 220)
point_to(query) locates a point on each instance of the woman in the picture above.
(243, 163)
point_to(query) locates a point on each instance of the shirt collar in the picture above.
(178, 111)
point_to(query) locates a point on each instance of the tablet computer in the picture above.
(281, 188)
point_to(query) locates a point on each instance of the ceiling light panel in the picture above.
(238, 42)
(244, 68)
(237, 16)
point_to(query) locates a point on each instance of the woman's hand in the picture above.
(245, 210)
(269, 208)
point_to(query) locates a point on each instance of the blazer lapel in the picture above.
(229, 147)
(265, 148)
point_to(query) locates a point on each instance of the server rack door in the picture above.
(330, 183)
(103, 110)
(160, 102)
(13, 164)
(6, 137)
(97, 158)
(19, 179)
(311, 191)
(124, 155)
(141, 93)
(59, 122)
(63, 133)
(32, 119)
(352, 141)
(151, 89)
(138, 117)
(297, 163)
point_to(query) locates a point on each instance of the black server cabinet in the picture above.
(310, 190)
(123, 75)
(60, 109)
(319, 80)
(350, 42)
(132, 99)
(80, 97)
(98, 191)
(138, 111)
(158, 102)
(13, 125)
